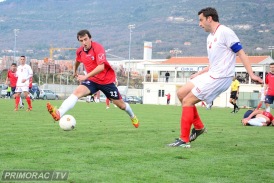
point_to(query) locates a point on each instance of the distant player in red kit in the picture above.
(258, 118)
(168, 98)
(11, 76)
(269, 88)
(100, 76)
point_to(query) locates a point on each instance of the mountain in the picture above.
(168, 24)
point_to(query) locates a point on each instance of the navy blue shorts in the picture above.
(13, 90)
(247, 113)
(110, 90)
(269, 99)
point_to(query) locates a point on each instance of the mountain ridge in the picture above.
(54, 23)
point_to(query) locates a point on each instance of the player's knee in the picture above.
(120, 103)
(180, 95)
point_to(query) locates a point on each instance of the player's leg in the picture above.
(17, 100)
(260, 121)
(268, 101)
(69, 103)
(205, 88)
(17, 97)
(28, 99)
(184, 91)
(88, 98)
(31, 96)
(111, 92)
(126, 107)
(21, 103)
(188, 100)
(260, 105)
(199, 128)
(107, 103)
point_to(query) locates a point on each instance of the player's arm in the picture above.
(75, 68)
(246, 63)
(254, 113)
(265, 88)
(200, 72)
(7, 79)
(30, 74)
(95, 71)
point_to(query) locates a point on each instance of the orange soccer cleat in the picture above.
(135, 122)
(53, 112)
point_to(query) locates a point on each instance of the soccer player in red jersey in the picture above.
(11, 76)
(258, 118)
(168, 98)
(100, 76)
(269, 88)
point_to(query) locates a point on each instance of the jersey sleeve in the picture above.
(78, 54)
(232, 40)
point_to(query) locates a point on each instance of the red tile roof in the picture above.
(204, 60)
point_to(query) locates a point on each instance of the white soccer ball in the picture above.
(67, 122)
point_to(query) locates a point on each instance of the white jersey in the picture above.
(23, 72)
(221, 57)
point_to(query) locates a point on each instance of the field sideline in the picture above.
(105, 147)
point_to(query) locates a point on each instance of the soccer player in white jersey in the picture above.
(222, 46)
(24, 73)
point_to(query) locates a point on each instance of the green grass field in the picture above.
(105, 147)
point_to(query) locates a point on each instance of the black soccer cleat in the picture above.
(195, 133)
(180, 143)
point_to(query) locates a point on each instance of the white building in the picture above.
(155, 86)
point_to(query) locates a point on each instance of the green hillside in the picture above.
(55, 23)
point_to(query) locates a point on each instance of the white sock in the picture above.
(88, 98)
(68, 104)
(20, 102)
(255, 122)
(267, 109)
(129, 110)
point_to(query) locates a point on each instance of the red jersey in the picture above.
(13, 78)
(94, 57)
(269, 115)
(269, 80)
(168, 96)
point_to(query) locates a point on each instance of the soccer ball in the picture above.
(67, 122)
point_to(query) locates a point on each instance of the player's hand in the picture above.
(24, 80)
(256, 78)
(194, 75)
(81, 78)
(245, 121)
(75, 74)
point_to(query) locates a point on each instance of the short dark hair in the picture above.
(271, 63)
(23, 56)
(14, 64)
(82, 33)
(210, 12)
